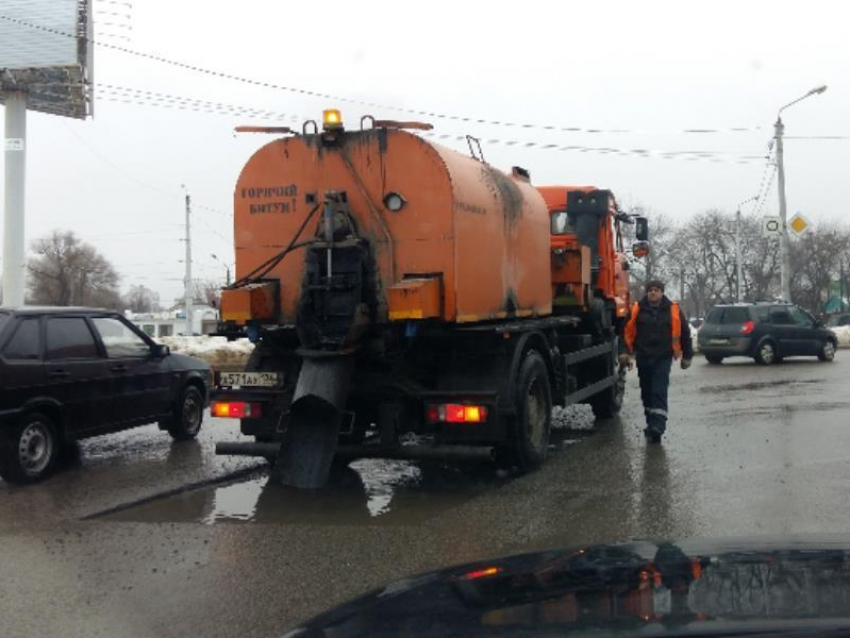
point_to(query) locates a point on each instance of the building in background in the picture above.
(172, 323)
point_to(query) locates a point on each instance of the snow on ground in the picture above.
(217, 351)
(843, 334)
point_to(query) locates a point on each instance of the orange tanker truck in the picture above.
(394, 286)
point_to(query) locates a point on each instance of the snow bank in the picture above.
(217, 351)
(843, 334)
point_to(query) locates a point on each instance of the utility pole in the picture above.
(784, 257)
(189, 296)
(14, 265)
(739, 260)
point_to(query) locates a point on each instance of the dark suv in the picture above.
(72, 373)
(765, 331)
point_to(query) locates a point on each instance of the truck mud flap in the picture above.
(310, 442)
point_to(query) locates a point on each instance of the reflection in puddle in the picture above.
(237, 502)
(381, 477)
(367, 492)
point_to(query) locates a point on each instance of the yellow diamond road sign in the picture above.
(799, 224)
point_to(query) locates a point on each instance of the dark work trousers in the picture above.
(654, 375)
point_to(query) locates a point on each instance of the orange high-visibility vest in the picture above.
(630, 331)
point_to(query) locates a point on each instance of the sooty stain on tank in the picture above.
(505, 191)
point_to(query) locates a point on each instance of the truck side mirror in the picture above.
(641, 229)
(640, 248)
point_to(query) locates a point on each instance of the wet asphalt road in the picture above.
(116, 545)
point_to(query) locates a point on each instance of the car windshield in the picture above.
(306, 300)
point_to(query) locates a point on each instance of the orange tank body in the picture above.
(482, 233)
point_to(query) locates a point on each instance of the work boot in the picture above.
(652, 435)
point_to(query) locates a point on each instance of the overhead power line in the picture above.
(143, 184)
(148, 98)
(336, 98)
(704, 156)
(816, 137)
(763, 200)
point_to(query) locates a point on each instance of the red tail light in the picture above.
(482, 573)
(236, 410)
(747, 328)
(456, 413)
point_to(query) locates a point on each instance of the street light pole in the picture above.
(188, 292)
(785, 259)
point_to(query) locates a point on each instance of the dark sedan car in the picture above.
(73, 373)
(767, 332)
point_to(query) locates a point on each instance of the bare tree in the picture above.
(66, 271)
(208, 291)
(142, 299)
(816, 263)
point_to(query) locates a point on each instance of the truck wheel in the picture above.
(188, 415)
(29, 451)
(533, 420)
(607, 404)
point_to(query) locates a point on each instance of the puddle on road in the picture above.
(755, 385)
(367, 492)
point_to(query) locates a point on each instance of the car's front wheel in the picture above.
(29, 451)
(714, 359)
(188, 415)
(827, 351)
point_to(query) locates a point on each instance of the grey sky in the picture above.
(652, 68)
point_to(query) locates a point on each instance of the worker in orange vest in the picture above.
(656, 334)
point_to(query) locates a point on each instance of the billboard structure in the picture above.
(46, 52)
(46, 66)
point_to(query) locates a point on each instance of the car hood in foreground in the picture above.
(732, 587)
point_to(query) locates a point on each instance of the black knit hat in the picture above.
(654, 283)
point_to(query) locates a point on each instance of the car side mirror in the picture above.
(641, 229)
(160, 351)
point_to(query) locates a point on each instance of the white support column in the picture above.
(14, 253)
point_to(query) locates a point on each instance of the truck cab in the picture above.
(588, 254)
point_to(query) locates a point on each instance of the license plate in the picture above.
(718, 342)
(251, 379)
